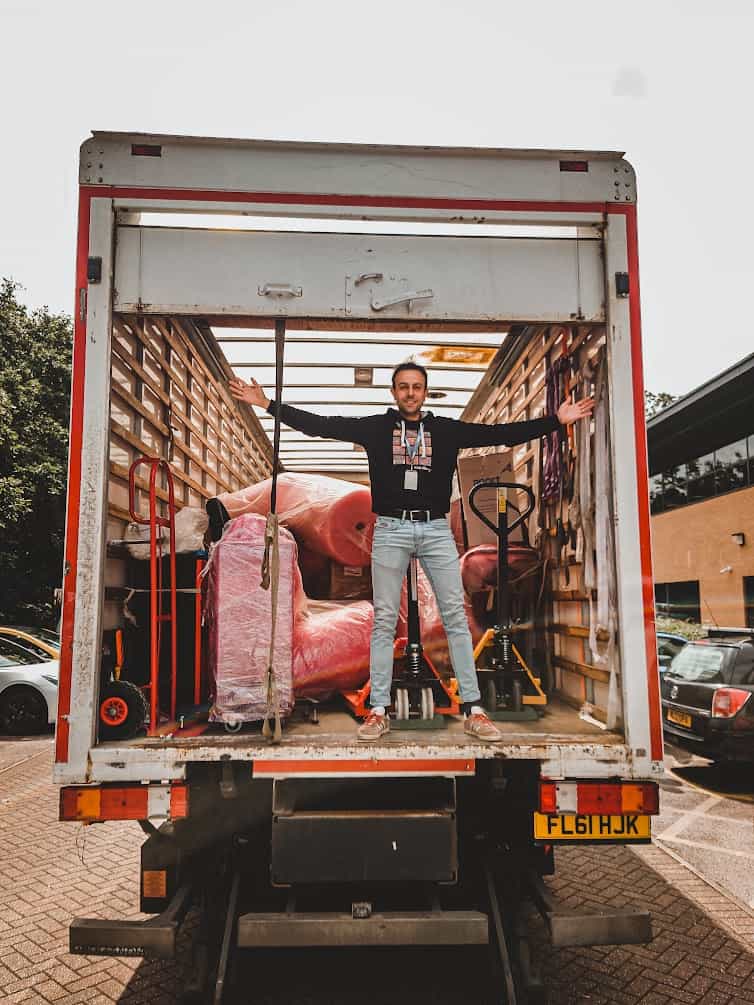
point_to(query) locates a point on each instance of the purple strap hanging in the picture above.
(553, 463)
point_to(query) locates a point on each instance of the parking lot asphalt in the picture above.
(51, 872)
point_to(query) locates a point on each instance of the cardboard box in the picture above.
(350, 582)
(472, 469)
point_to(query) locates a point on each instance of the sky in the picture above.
(667, 81)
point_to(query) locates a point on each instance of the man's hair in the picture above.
(408, 365)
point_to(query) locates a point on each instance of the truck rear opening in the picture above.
(526, 277)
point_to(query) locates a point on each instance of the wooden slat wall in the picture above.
(167, 403)
(566, 623)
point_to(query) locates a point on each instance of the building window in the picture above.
(675, 487)
(678, 600)
(749, 601)
(731, 467)
(655, 494)
(701, 474)
(724, 470)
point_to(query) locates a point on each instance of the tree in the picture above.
(654, 403)
(35, 375)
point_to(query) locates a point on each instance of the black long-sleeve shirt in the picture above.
(381, 437)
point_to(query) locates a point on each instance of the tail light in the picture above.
(728, 701)
(132, 801)
(598, 797)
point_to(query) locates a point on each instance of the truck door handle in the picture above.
(377, 276)
(279, 290)
(402, 298)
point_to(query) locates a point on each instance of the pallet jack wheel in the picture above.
(428, 703)
(490, 696)
(402, 706)
(518, 701)
(122, 710)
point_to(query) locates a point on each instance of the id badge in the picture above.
(411, 479)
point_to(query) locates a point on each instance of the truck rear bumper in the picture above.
(391, 928)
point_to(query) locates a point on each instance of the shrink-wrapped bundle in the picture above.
(238, 614)
(328, 516)
(331, 647)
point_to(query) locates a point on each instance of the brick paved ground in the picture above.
(50, 872)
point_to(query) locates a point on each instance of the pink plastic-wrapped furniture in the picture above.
(238, 616)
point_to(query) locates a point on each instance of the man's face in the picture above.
(409, 392)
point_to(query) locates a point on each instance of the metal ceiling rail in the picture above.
(340, 340)
(370, 387)
(449, 367)
(364, 403)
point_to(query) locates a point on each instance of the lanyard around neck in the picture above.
(412, 452)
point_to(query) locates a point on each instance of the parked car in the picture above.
(28, 688)
(668, 646)
(707, 703)
(41, 640)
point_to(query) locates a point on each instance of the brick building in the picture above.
(701, 466)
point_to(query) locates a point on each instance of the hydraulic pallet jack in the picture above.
(510, 691)
(419, 696)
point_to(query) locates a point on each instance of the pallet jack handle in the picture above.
(502, 532)
(493, 483)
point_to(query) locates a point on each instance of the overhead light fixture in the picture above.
(363, 376)
(739, 538)
(436, 395)
(471, 356)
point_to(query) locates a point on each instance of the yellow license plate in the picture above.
(679, 718)
(551, 828)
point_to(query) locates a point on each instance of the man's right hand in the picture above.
(252, 393)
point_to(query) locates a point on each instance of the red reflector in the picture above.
(727, 701)
(145, 150)
(124, 803)
(580, 166)
(179, 801)
(599, 799)
(548, 797)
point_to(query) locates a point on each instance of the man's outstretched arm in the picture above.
(331, 427)
(480, 434)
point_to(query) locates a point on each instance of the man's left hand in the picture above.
(572, 411)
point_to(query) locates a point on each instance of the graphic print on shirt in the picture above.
(400, 454)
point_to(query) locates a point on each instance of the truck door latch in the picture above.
(402, 298)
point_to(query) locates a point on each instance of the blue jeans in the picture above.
(395, 540)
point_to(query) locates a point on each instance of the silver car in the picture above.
(28, 689)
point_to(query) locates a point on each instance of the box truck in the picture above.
(519, 266)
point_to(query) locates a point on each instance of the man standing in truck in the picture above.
(412, 456)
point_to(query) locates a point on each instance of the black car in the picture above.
(708, 697)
